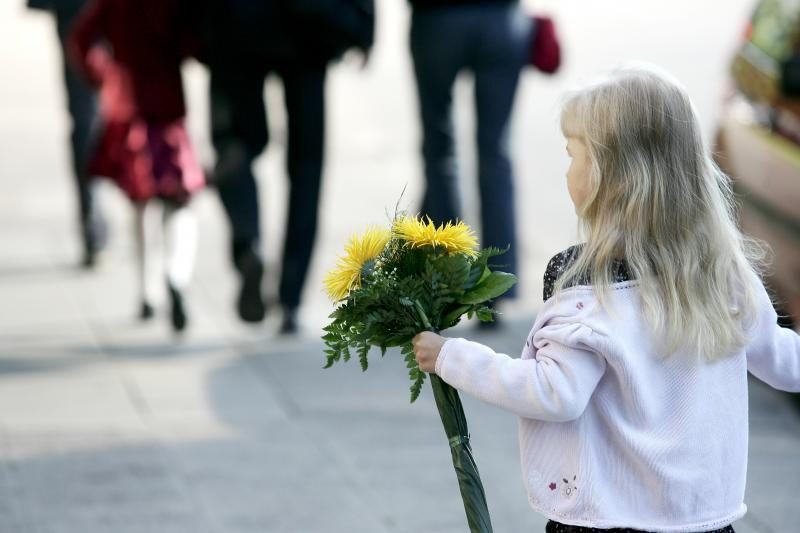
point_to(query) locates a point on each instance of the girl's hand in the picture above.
(427, 346)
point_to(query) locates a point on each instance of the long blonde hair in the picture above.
(658, 201)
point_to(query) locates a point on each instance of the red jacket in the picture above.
(148, 39)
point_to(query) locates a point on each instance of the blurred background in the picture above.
(110, 423)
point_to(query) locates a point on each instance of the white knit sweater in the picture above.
(613, 434)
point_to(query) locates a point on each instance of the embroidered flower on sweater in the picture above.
(570, 490)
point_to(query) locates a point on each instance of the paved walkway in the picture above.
(109, 425)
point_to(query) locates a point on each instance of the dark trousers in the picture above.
(490, 41)
(82, 107)
(240, 134)
(557, 527)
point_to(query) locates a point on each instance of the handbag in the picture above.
(545, 50)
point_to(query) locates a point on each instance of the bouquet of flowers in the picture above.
(415, 276)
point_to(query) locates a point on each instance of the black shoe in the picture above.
(95, 237)
(146, 312)
(289, 322)
(250, 304)
(89, 260)
(177, 310)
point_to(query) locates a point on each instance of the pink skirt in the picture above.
(148, 161)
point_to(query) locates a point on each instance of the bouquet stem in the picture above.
(469, 480)
(454, 422)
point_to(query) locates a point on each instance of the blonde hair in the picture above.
(659, 202)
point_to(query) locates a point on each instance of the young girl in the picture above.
(144, 146)
(632, 385)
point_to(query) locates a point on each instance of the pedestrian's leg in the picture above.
(437, 44)
(148, 231)
(82, 107)
(239, 134)
(498, 58)
(181, 243)
(304, 90)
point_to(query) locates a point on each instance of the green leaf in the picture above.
(452, 317)
(416, 375)
(332, 357)
(346, 353)
(363, 350)
(397, 340)
(479, 269)
(485, 314)
(490, 288)
(418, 379)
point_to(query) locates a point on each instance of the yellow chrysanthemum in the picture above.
(360, 249)
(455, 238)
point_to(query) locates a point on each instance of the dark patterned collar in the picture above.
(562, 261)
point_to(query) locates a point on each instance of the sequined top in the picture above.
(562, 261)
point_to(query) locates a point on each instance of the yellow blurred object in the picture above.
(771, 38)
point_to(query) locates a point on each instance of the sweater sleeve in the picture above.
(773, 354)
(553, 386)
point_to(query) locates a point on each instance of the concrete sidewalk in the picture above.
(109, 425)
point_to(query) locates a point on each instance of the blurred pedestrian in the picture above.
(632, 384)
(82, 107)
(295, 40)
(488, 38)
(133, 49)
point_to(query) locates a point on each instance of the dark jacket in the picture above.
(285, 31)
(48, 5)
(425, 4)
